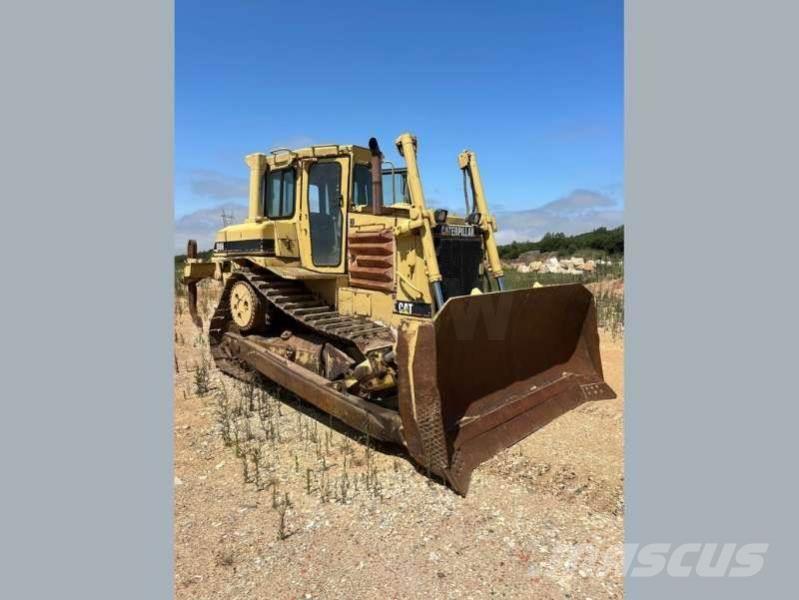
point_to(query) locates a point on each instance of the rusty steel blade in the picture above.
(491, 369)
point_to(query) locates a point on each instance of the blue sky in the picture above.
(535, 88)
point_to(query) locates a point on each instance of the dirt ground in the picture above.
(337, 517)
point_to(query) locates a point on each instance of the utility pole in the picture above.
(227, 219)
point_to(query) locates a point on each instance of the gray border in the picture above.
(87, 333)
(711, 404)
(87, 168)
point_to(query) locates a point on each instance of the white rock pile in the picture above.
(567, 266)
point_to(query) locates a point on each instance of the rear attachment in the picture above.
(493, 368)
(191, 284)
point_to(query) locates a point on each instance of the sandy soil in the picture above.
(338, 518)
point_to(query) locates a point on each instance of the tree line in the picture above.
(602, 239)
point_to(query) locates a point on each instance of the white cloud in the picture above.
(578, 201)
(577, 212)
(202, 225)
(216, 185)
(294, 142)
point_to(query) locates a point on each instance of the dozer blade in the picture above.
(491, 369)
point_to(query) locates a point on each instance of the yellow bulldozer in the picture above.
(343, 287)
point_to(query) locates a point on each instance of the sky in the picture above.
(534, 88)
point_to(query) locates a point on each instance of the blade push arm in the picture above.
(421, 217)
(467, 160)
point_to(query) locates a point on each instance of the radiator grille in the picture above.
(371, 260)
(459, 262)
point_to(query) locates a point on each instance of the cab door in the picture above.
(325, 188)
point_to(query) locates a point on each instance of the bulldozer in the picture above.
(344, 288)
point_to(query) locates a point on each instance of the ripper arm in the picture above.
(194, 271)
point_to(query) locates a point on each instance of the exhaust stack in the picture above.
(377, 177)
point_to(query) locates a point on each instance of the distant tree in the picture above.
(610, 241)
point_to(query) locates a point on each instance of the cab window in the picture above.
(362, 186)
(279, 194)
(395, 191)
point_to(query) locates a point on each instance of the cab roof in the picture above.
(282, 156)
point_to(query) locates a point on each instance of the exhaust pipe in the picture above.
(377, 177)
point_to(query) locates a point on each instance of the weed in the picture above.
(245, 467)
(223, 414)
(257, 455)
(282, 534)
(225, 558)
(202, 377)
(610, 311)
(199, 341)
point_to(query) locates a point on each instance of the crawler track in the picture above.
(299, 306)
